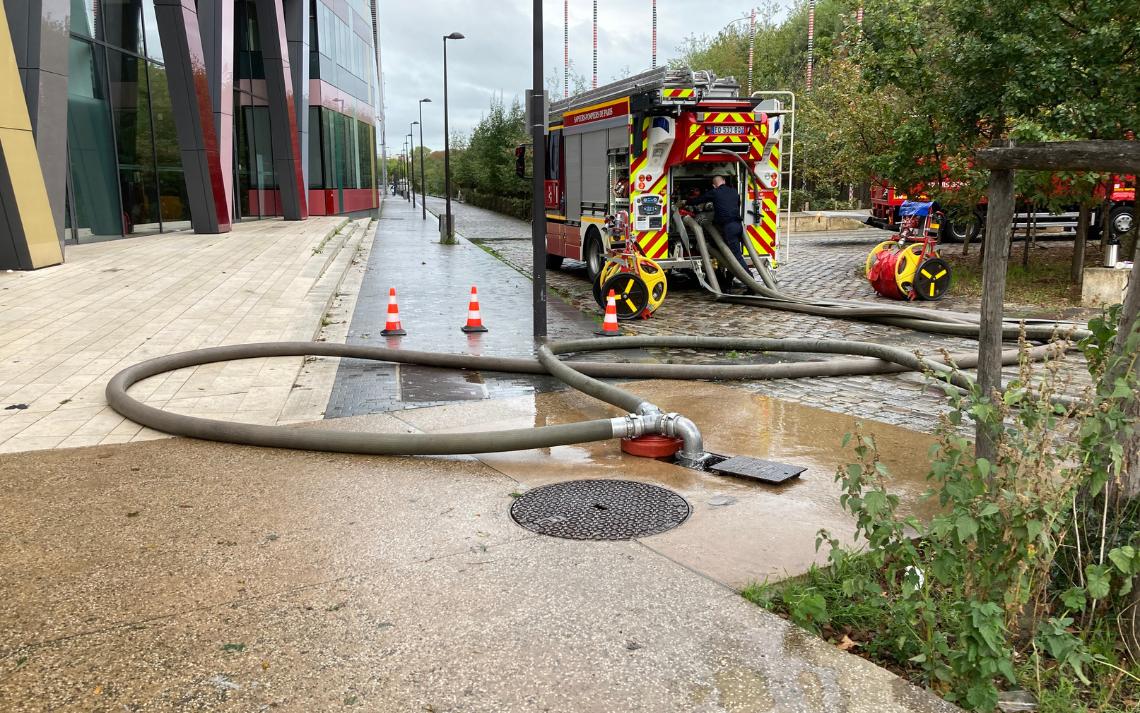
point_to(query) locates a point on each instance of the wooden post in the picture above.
(999, 218)
(1129, 315)
(1130, 475)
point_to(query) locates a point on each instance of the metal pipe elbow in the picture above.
(693, 447)
(667, 424)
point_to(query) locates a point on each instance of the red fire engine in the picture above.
(886, 199)
(621, 157)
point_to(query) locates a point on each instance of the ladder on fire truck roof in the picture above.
(708, 83)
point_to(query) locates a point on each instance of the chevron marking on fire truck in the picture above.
(761, 239)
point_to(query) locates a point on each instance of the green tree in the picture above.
(488, 163)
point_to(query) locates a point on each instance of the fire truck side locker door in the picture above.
(619, 138)
(594, 167)
(573, 177)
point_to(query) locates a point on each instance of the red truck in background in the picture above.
(1120, 193)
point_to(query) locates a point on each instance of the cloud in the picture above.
(495, 58)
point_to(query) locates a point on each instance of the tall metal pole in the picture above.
(811, 41)
(538, 193)
(412, 143)
(653, 63)
(448, 236)
(595, 44)
(423, 180)
(751, 47)
(407, 195)
(566, 48)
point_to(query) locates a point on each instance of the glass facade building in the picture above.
(134, 165)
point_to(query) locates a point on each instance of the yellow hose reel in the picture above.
(638, 283)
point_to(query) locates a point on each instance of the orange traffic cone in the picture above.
(392, 327)
(610, 323)
(474, 320)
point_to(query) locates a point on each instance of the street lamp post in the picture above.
(448, 237)
(412, 159)
(423, 179)
(537, 194)
(407, 196)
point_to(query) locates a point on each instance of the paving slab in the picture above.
(71, 327)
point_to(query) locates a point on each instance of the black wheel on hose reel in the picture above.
(632, 294)
(932, 279)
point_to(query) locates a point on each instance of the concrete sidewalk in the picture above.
(69, 329)
(185, 575)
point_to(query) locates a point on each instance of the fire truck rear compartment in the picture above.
(691, 179)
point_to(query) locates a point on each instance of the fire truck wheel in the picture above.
(631, 292)
(553, 262)
(1121, 219)
(932, 279)
(960, 226)
(594, 255)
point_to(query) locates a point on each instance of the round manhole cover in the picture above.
(600, 510)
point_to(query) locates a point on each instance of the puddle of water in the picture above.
(763, 531)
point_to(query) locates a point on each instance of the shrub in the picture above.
(1028, 564)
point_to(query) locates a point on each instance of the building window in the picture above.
(316, 174)
(124, 162)
(91, 144)
(174, 204)
(134, 141)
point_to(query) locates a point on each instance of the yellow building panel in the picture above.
(19, 159)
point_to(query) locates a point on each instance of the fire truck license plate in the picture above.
(720, 129)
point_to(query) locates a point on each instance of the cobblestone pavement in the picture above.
(822, 264)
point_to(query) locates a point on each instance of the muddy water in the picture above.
(739, 531)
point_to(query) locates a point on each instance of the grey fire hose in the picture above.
(643, 417)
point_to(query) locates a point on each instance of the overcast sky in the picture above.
(495, 57)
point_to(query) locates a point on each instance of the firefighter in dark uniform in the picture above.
(726, 215)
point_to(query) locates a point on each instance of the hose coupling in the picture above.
(630, 426)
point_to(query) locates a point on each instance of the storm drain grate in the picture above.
(765, 470)
(600, 510)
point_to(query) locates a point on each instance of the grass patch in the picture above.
(1044, 283)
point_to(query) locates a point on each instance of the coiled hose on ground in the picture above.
(643, 416)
